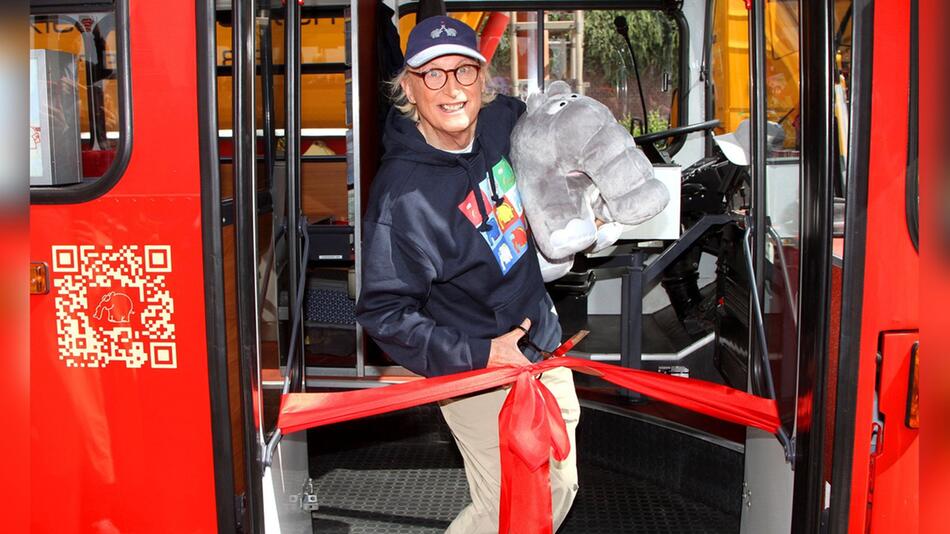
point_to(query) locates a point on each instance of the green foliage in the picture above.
(653, 37)
(606, 63)
(655, 123)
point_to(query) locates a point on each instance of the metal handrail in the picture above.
(294, 332)
(763, 347)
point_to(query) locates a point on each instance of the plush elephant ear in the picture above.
(535, 100)
(558, 87)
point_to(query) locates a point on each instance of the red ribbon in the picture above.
(536, 432)
(530, 427)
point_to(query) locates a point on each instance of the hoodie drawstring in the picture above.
(494, 191)
(495, 198)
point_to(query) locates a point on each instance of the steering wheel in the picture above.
(647, 142)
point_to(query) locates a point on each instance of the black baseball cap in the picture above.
(441, 36)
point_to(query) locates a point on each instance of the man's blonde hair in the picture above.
(408, 109)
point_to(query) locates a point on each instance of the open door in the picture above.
(262, 251)
(787, 236)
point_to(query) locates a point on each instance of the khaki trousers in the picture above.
(474, 424)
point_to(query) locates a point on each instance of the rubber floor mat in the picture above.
(415, 484)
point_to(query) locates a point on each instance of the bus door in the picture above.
(754, 62)
(873, 460)
(785, 322)
(290, 84)
(258, 238)
(124, 414)
(840, 335)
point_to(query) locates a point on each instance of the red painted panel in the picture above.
(126, 447)
(896, 501)
(891, 264)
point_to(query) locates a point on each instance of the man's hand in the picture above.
(505, 351)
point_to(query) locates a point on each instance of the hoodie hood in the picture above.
(403, 140)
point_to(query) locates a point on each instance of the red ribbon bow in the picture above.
(534, 432)
(530, 427)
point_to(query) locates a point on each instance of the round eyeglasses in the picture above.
(435, 78)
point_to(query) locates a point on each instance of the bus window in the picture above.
(75, 129)
(323, 105)
(783, 197)
(323, 51)
(583, 48)
(842, 90)
(731, 97)
(730, 71)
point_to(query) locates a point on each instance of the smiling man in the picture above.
(451, 280)
(447, 116)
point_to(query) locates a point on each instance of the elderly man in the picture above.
(450, 273)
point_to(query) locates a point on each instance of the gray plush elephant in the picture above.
(575, 165)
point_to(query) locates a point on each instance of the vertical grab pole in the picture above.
(295, 353)
(267, 94)
(246, 253)
(757, 148)
(631, 314)
(354, 152)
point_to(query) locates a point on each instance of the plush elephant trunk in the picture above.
(571, 156)
(623, 176)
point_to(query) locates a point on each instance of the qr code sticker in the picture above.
(113, 305)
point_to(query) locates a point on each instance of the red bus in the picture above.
(198, 172)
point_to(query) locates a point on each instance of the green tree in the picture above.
(653, 37)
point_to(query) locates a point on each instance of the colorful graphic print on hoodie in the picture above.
(505, 230)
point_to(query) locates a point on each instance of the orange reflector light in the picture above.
(39, 279)
(913, 393)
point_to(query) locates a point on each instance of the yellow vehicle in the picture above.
(730, 65)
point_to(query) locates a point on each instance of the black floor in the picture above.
(401, 473)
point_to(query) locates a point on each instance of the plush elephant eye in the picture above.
(551, 110)
(573, 96)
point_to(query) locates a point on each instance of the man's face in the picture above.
(451, 111)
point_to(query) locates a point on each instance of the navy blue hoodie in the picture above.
(448, 262)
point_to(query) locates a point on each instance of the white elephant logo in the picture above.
(117, 305)
(504, 255)
(439, 31)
